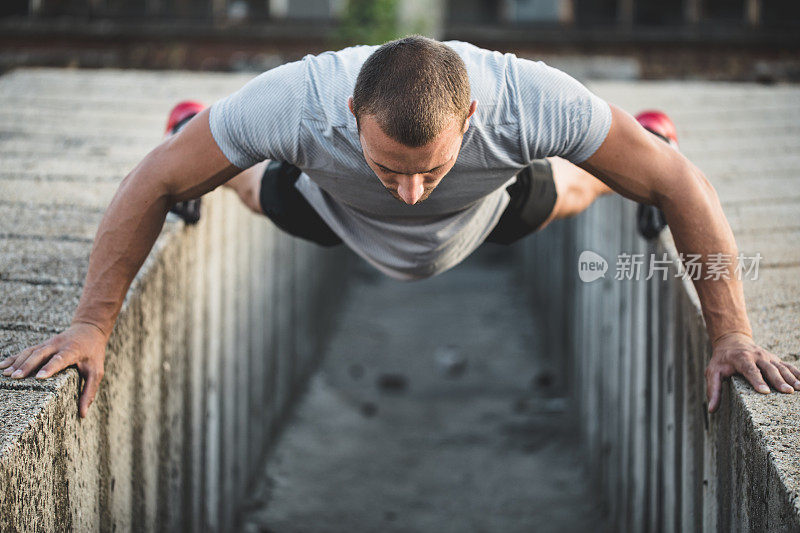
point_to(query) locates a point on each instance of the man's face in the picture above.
(411, 174)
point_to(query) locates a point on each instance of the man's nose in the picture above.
(411, 189)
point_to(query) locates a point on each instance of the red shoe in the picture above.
(650, 220)
(660, 124)
(181, 114)
(189, 210)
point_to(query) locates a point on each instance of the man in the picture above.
(456, 137)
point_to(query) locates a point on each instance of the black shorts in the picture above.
(288, 209)
(533, 196)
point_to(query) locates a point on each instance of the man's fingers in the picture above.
(17, 358)
(9, 364)
(752, 373)
(773, 374)
(788, 375)
(794, 370)
(57, 363)
(5, 363)
(90, 386)
(713, 385)
(82, 345)
(23, 367)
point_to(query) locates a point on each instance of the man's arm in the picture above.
(184, 166)
(639, 166)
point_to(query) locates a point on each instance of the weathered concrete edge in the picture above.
(116, 469)
(637, 352)
(741, 410)
(34, 480)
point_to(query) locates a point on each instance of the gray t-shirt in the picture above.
(298, 113)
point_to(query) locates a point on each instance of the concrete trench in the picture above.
(637, 352)
(637, 349)
(601, 394)
(189, 402)
(434, 410)
(218, 331)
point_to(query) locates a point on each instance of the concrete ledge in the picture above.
(638, 349)
(217, 333)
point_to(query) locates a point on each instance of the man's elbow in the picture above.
(688, 186)
(703, 182)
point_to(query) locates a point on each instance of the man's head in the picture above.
(412, 105)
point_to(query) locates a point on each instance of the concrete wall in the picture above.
(216, 337)
(632, 354)
(219, 332)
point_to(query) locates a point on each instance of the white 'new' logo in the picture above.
(591, 266)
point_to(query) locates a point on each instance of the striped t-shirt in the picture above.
(298, 113)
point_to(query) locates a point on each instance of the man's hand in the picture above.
(182, 167)
(641, 167)
(737, 353)
(83, 345)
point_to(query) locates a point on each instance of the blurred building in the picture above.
(725, 39)
(611, 13)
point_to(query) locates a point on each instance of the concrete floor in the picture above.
(430, 413)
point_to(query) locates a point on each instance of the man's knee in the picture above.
(576, 189)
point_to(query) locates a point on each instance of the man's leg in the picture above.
(546, 190)
(554, 188)
(268, 188)
(576, 189)
(247, 185)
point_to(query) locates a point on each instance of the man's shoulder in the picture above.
(492, 81)
(345, 62)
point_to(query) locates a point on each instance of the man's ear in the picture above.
(350, 105)
(472, 107)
